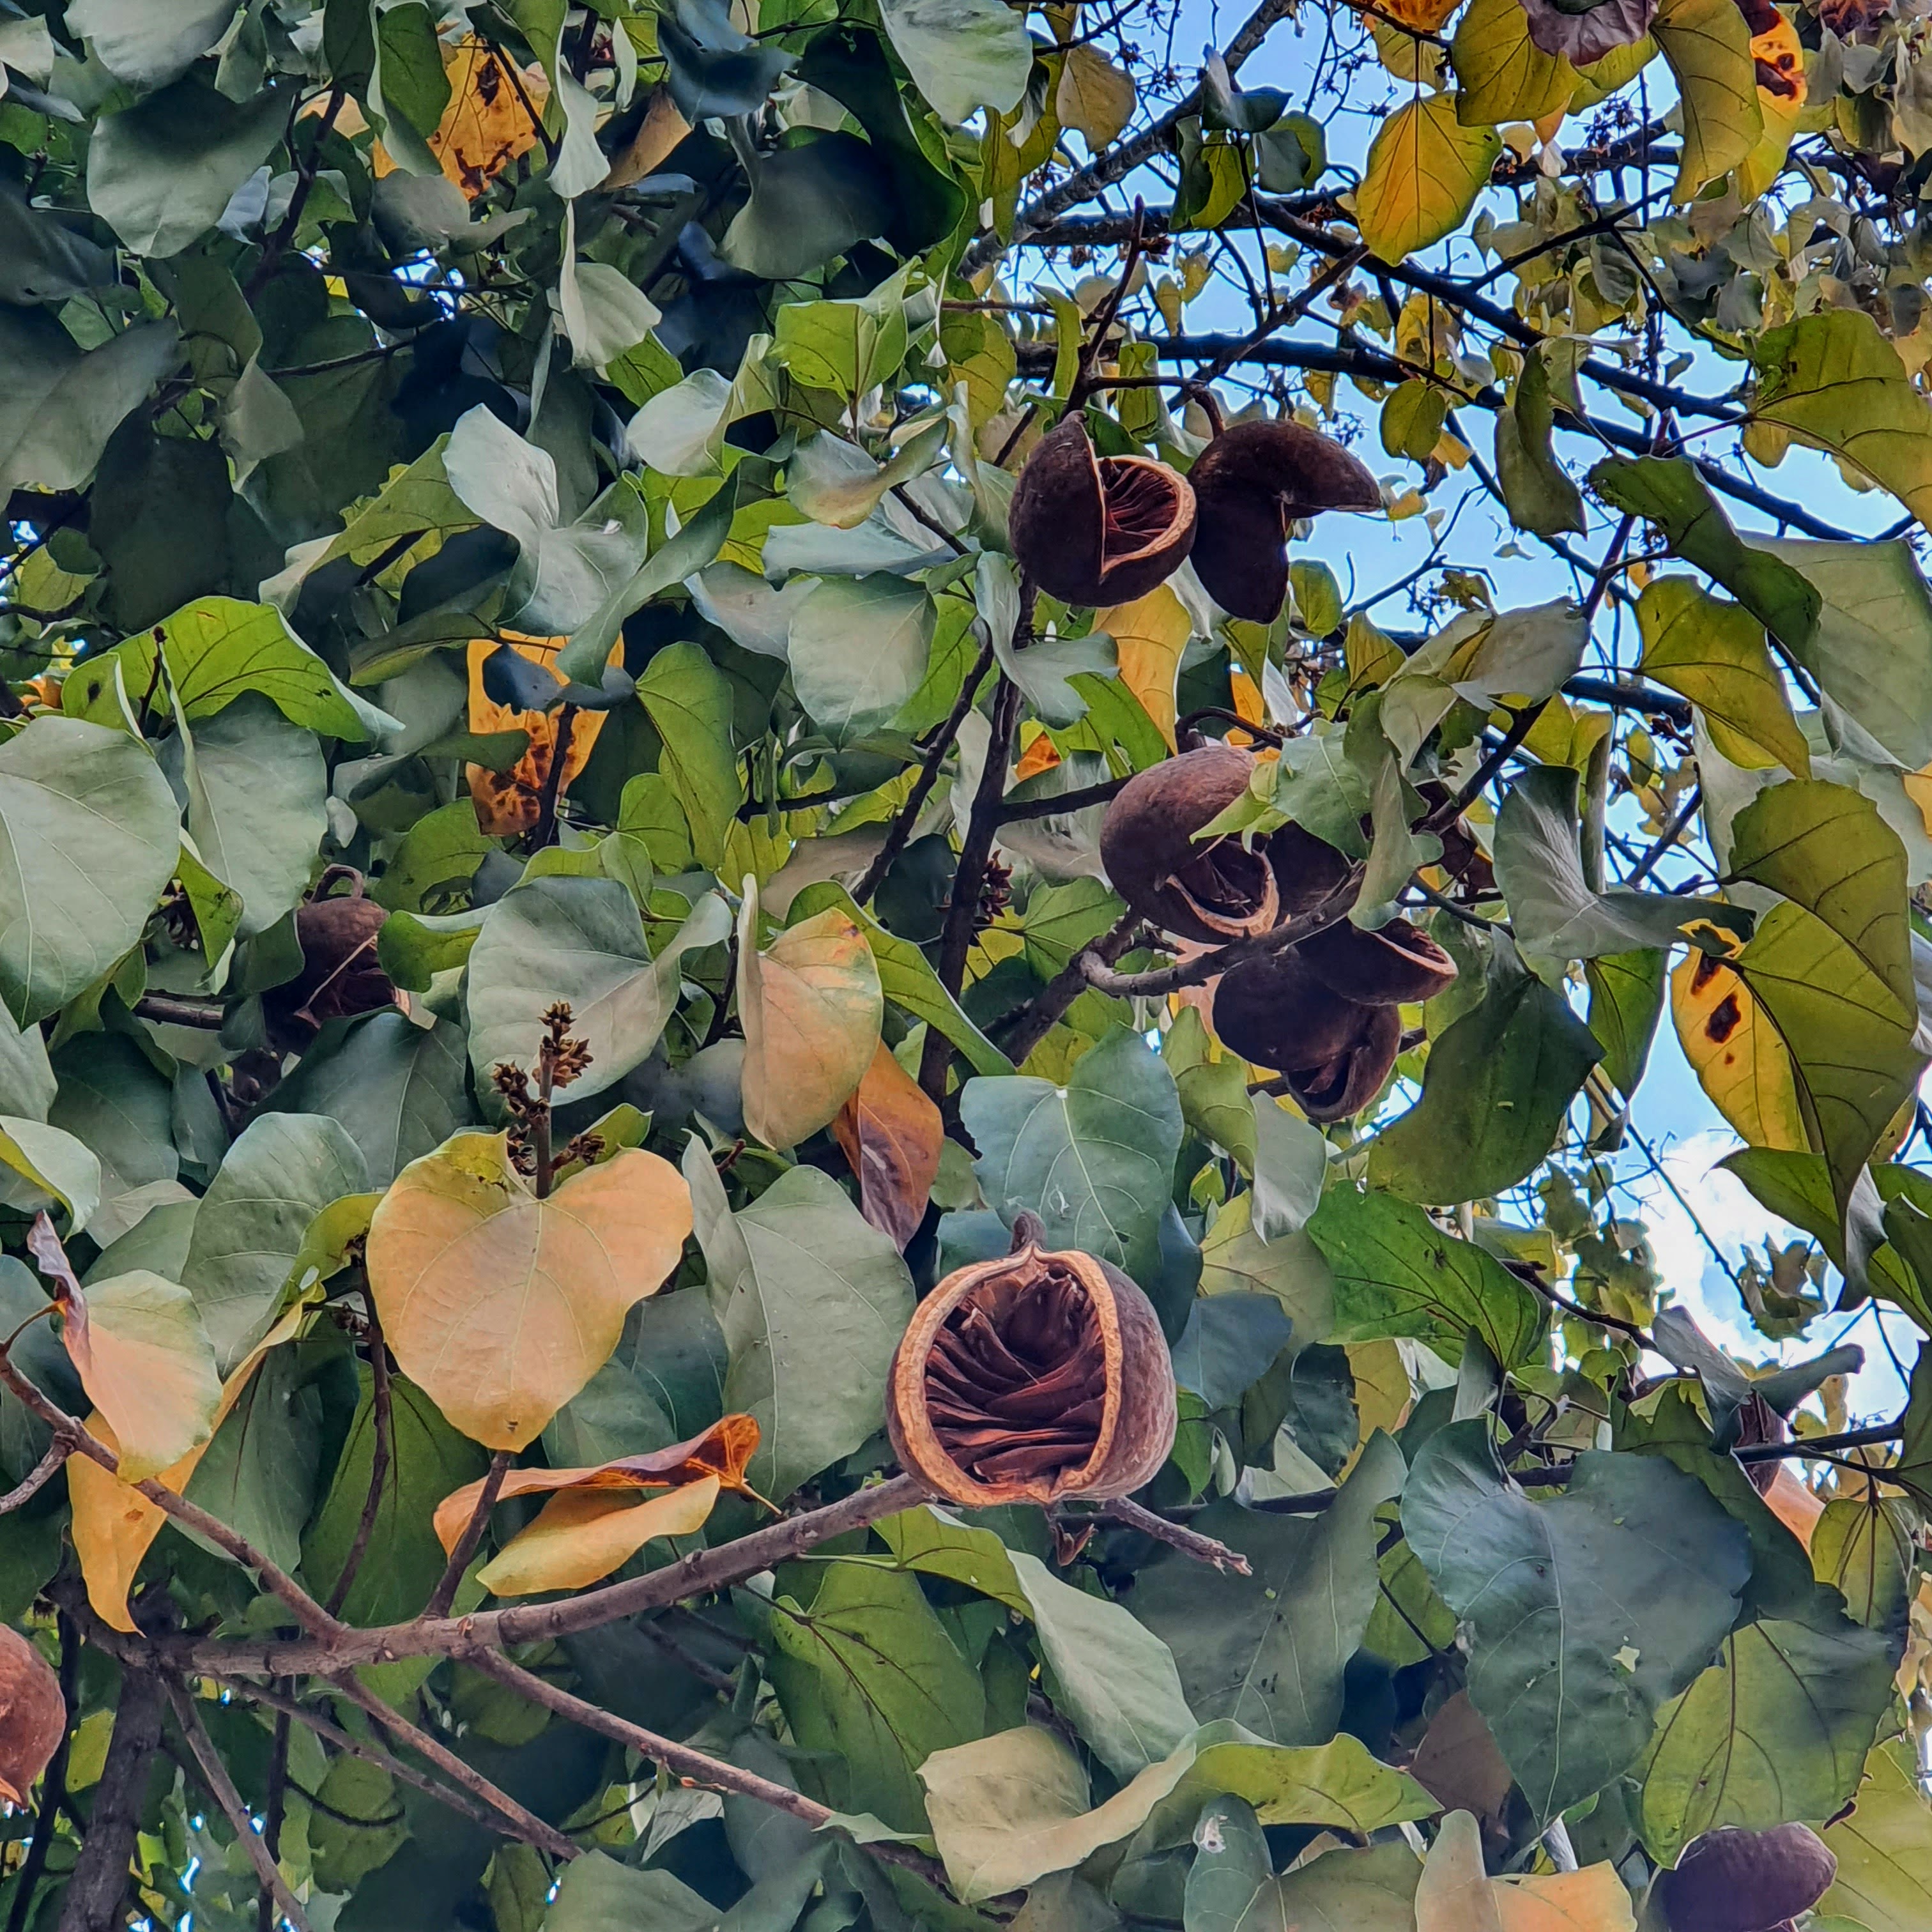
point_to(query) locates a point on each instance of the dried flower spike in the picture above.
(1098, 530)
(1035, 1378)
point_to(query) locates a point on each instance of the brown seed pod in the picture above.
(1306, 868)
(1348, 1082)
(1098, 530)
(1211, 890)
(1036, 1377)
(33, 1715)
(1250, 483)
(1398, 962)
(340, 975)
(1732, 1880)
(1274, 1012)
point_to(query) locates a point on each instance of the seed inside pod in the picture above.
(1040, 1375)
(1399, 961)
(1098, 530)
(1346, 1085)
(1251, 482)
(1274, 1012)
(1211, 889)
(1732, 1880)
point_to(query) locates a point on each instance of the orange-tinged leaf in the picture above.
(1041, 754)
(1455, 1894)
(892, 1134)
(488, 123)
(661, 129)
(1425, 16)
(33, 1715)
(500, 1306)
(1793, 1505)
(811, 1009)
(1736, 1052)
(1150, 634)
(580, 1536)
(509, 802)
(720, 1455)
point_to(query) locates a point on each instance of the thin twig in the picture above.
(57, 1454)
(1667, 838)
(545, 828)
(311, 166)
(1012, 812)
(382, 1421)
(1189, 1543)
(1023, 1030)
(464, 1547)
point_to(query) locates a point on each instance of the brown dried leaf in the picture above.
(892, 1134)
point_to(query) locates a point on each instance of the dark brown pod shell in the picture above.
(1274, 1012)
(33, 1715)
(1307, 870)
(1250, 483)
(1398, 962)
(1098, 530)
(1347, 1083)
(1042, 1375)
(1210, 890)
(1732, 1880)
(340, 975)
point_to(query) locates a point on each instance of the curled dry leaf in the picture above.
(811, 1008)
(594, 1521)
(500, 1306)
(33, 1715)
(1038, 1376)
(892, 1133)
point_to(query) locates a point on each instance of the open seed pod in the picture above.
(340, 975)
(1346, 1083)
(1274, 1012)
(1306, 868)
(1396, 963)
(1250, 483)
(1211, 890)
(1098, 530)
(1732, 1880)
(1031, 1379)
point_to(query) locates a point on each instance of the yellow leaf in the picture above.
(1778, 61)
(1714, 653)
(578, 1538)
(1734, 1050)
(1454, 1894)
(500, 1306)
(891, 1133)
(1150, 634)
(811, 1009)
(1918, 789)
(148, 1366)
(1425, 16)
(508, 802)
(1504, 75)
(1425, 171)
(1833, 382)
(1707, 47)
(488, 123)
(1094, 96)
(661, 129)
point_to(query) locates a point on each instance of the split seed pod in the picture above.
(1306, 869)
(1250, 483)
(1211, 890)
(1346, 1085)
(1098, 530)
(1397, 962)
(340, 975)
(1274, 1012)
(33, 1715)
(1042, 1375)
(1732, 1880)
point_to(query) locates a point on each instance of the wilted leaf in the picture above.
(1425, 171)
(1455, 1894)
(509, 803)
(501, 1306)
(892, 1134)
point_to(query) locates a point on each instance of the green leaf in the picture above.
(858, 647)
(149, 42)
(92, 835)
(1884, 1848)
(61, 404)
(962, 54)
(280, 1173)
(160, 173)
(397, 1090)
(1270, 1651)
(869, 1678)
(581, 940)
(1715, 654)
(47, 1167)
(116, 1105)
(1862, 1546)
(1738, 1747)
(1226, 1335)
(1586, 1613)
(689, 701)
(1396, 1273)
(596, 1894)
(1496, 1093)
(1627, 993)
(848, 347)
(1539, 867)
(1502, 74)
(1425, 171)
(1824, 847)
(1537, 489)
(1213, 1093)
(1230, 1888)
(1853, 1047)
(812, 1301)
(27, 1084)
(1833, 382)
(808, 203)
(259, 1475)
(1707, 46)
(437, 858)
(1094, 1159)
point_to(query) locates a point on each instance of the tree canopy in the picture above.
(806, 1125)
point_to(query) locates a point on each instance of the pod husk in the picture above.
(1398, 962)
(1732, 1880)
(1306, 869)
(340, 976)
(1040, 1376)
(1273, 1012)
(1096, 531)
(1347, 1083)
